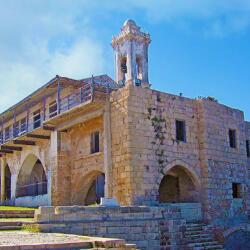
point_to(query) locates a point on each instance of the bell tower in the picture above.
(131, 55)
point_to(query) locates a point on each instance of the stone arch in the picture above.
(84, 191)
(32, 179)
(178, 184)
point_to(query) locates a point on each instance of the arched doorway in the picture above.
(177, 186)
(89, 189)
(32, 180)
(7, 183)
(96, 190)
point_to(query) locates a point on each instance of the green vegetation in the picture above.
(17, 219)
(15, 208)
(32, 228)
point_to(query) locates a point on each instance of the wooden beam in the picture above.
(46, 127)
(36, 136)
(24, 142)
(6, 151)
(14, 148)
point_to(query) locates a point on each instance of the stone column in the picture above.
(107, 152)
(3, 166)
(60, 171)
(130, 73)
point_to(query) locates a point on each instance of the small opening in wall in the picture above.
(95, 144)
(248, 148)
(232, 138)
(180, 130)
(237, 190)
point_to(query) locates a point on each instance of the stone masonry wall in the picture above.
(84, 166)
(247, 127)
(150, 156)
(121, 159)
(144, 149)
(223, 165)
(150, 228)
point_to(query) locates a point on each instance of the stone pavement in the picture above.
(21, 240)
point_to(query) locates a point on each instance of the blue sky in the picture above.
(199, 48)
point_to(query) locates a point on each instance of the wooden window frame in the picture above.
(180, 128)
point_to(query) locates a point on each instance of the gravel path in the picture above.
(20, 238)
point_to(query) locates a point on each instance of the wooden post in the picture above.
(14, 126)
(44, 108)
(27, 120)
(58, 94)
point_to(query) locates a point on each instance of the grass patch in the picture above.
(16, 219)
(15, 208)
(32, 228)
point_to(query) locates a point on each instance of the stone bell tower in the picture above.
(131, 55)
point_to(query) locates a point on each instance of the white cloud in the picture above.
(41, 38)
(39, 41)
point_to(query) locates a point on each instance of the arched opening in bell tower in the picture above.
(139, 67)
(123, 68)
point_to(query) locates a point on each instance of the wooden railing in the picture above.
(87, 93)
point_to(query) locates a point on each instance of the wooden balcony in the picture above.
(89, 97)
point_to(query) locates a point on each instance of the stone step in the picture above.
(217, 247)
(200, 240)
(4, 228)
(199, 236)
(17, 213)
(195, 224)
(194, 229)
(10, 223)
(203, 244)
(197, 232)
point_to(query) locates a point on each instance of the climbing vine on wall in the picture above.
(155, 115)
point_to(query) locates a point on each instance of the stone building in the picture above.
(72, 142)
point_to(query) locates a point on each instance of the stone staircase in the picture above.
(199, 236)
(10, 225)
(17, 213)
(14, 219)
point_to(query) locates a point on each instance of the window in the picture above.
(95, 145)
(7, 133)
(16, 129)
(248, 148)
(22, 126)
(180, 130)
(52, 109)
(36, 119)
(237, 190)
(232, 138)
